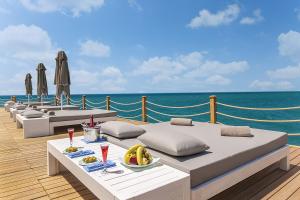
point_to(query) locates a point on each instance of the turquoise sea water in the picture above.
(246, 99)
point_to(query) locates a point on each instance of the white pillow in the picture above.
(173, 143)
(20, 106)
(181, 122)
(32, 114)
(121, 129)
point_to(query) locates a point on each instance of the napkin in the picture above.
(80, 153)
(99, 165)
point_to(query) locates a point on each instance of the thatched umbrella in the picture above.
(62, 77)
(42, 87)
(28, 86)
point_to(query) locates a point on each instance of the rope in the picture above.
(178, 107)
(117, 109)
(129, 117)
(154, 118)
(259, 120)
(95, 106)
(76, 101)
(169, 115)
(125, 104)
(95, 102)
(249, 108)
(79, 105)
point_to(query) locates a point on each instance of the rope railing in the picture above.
(178, 107)
(171, 115)
(95, 103)
(130, 117)
(150, 117)
(259, 120)
(125, 104)
(252, 108)
(91, 106)
(127, 111)
(75, 101)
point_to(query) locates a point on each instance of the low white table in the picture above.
(158, 182)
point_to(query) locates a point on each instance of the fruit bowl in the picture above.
(72, 149)
(154, 161)
(137, 156)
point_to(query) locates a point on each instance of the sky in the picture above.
(140, 46)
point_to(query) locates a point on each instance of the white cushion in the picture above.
(236, 131)
(121, 129)
(32, 114)
(181, 121)
(173, 143)
(20, 106)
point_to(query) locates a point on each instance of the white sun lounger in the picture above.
(14, 111)
(43, 126)
(229, 160)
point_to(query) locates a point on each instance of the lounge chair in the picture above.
(37, 103)
(13, 111)
(43, 126)
(228, 161)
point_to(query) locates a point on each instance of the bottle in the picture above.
(92, 121)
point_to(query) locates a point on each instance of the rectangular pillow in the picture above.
(32, 114)
(121, 129)
(236, 131)
(173, 143)
(181, 121)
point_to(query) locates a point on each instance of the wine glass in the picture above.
(104, 151)
(71, 134)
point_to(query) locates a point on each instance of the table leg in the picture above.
(53, 165)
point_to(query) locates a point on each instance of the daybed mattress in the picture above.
(224, 154)
(70, 115)
(65, 107)
(37, 103)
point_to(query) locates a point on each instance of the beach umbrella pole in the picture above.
(28, 100)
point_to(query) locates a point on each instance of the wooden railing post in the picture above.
(213, 109)
(83, 102)
(108, 103)
(55, 100)
(68, 100)
(14, 99)
(144, 108)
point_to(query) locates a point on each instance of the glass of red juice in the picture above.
(71, 134)
(104, 151)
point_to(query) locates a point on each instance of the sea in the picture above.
(244, 99)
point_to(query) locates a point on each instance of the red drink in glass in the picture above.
(71, 134)
(104, 151)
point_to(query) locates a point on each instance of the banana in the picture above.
(140, 155)
(129, 153)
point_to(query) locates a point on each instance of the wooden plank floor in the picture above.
(23, 173)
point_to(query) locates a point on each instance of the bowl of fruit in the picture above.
(137, 156)
(88, 160)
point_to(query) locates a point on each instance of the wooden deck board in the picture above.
(23, 172)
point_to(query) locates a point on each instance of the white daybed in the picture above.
(43, 126)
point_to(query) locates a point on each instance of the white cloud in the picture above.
(206, 18)
(135, 4)
(75, 7)
(191, 69)
(257, 17)
(289, 45)
(94, 49)
(269, 85)
(217, 80)
(22, 48)
(109, 79)
(289, 72)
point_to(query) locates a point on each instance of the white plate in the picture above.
(154, 161)
(82, 163)
(79, 148)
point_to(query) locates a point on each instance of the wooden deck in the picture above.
(23, 173)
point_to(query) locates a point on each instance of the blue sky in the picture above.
(130, 46)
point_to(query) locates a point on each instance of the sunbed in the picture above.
(37, 103)
(228, 161)
(13, 111)
(43, 126)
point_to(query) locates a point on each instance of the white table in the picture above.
(158, 182)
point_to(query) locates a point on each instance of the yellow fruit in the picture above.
(130, 153)
(145, 161)
(140, 155)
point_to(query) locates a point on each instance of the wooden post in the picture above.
(83, 102)
(55, 100)
(108, 103)
(213, 109)
(68, 100)
(144, 108)
(14, 99)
